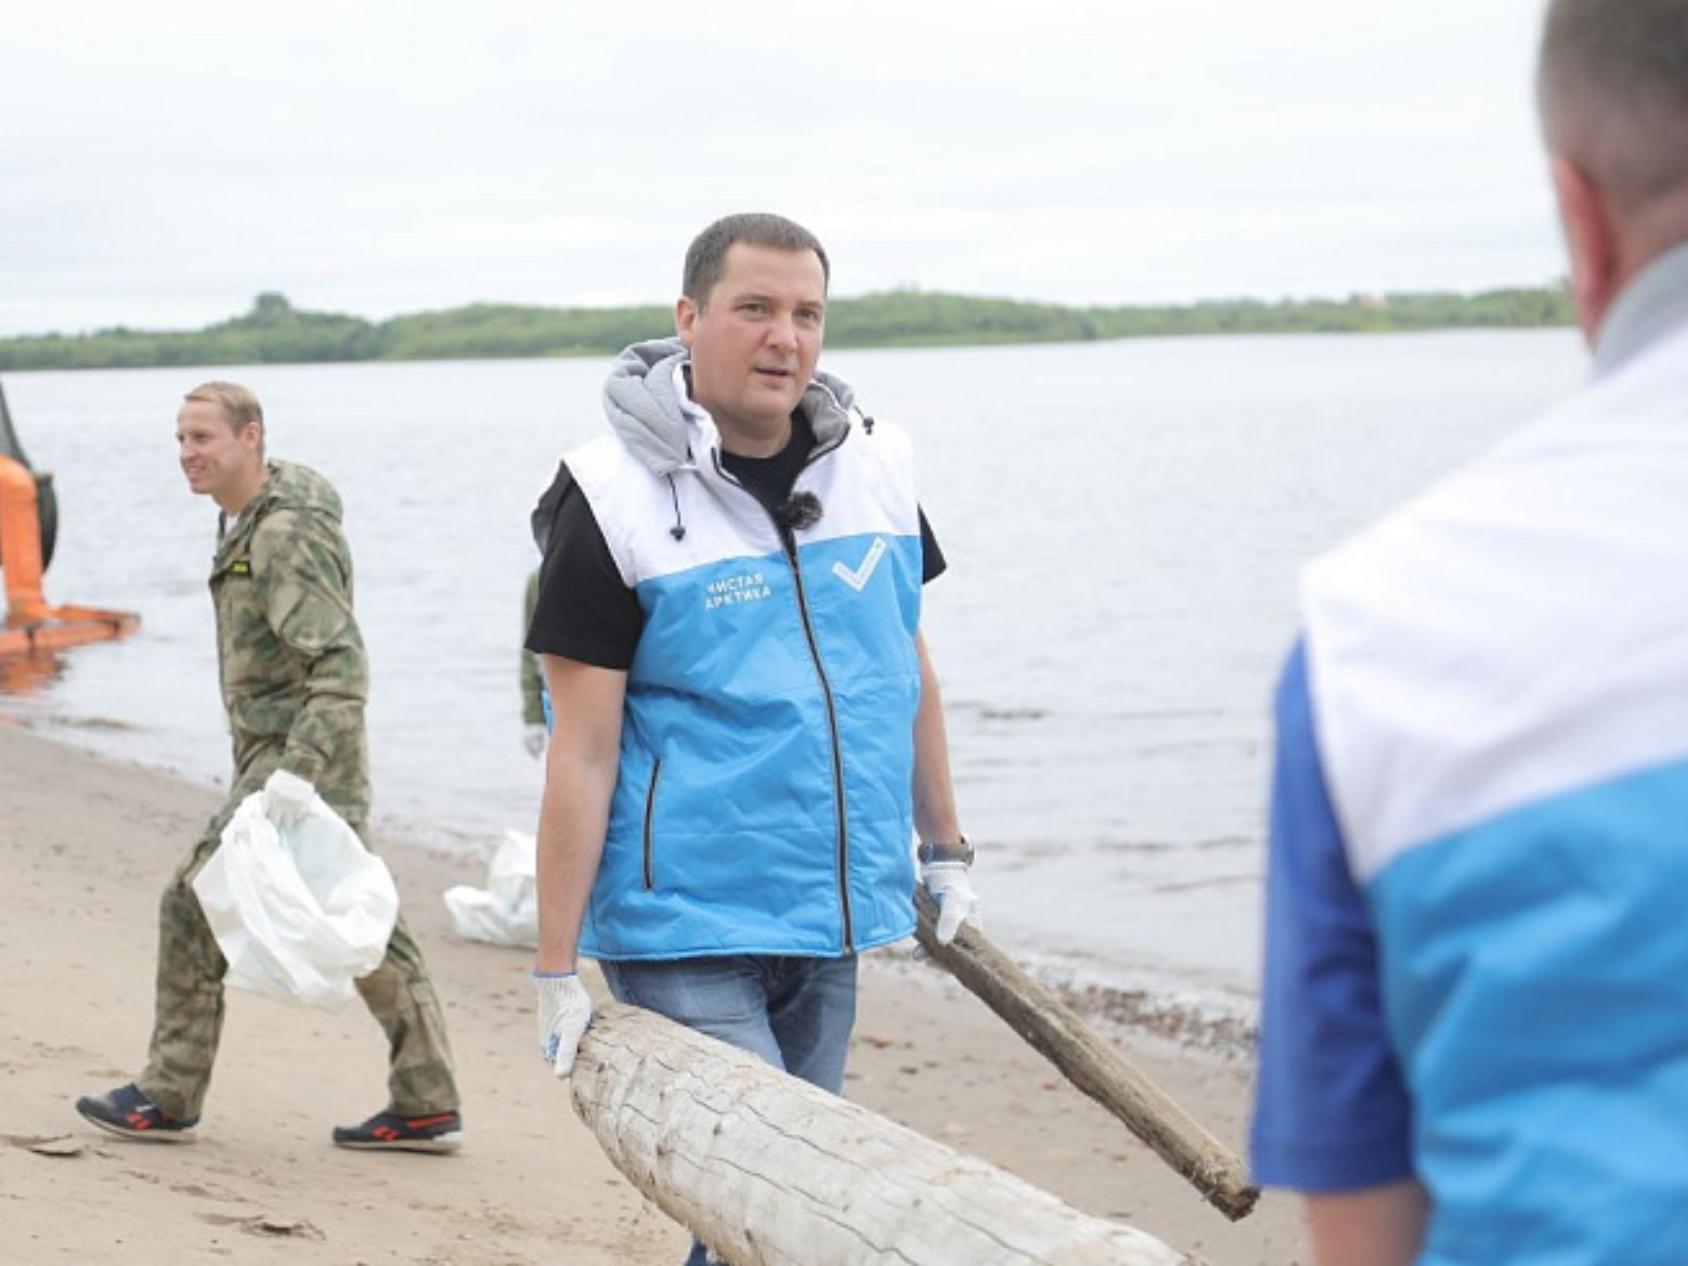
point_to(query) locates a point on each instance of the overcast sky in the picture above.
(163, 161)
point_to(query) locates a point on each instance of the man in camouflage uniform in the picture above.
(534, 703)
(294, 681)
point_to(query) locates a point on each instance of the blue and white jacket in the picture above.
(1477, 947)
(764, 803)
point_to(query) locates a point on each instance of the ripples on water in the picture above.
(1123, 522)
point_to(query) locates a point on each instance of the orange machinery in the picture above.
(32, 627)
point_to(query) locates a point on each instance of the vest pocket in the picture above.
(650, 817)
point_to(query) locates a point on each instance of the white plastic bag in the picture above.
(506, 911)
(299, 913)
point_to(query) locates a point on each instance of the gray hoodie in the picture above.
(646, 411)
(648, 414)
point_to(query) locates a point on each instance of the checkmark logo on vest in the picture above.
(858, 578)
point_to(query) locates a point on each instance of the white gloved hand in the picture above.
(533, 738)
(565, 1011)
(286, 797)
(951, 886)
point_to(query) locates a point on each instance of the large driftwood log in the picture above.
(1091, 1064)
(769, 1171)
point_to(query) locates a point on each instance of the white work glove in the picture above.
(951, 886)
(565, 1009)
(286, 797)
(533, 738)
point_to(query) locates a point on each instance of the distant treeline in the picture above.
(274, 331)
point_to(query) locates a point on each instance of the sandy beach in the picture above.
(86, 845)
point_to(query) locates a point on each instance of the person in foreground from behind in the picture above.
(294, 682)
(1474, 1041)
(746, 725)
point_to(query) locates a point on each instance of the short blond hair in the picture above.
(238, 402)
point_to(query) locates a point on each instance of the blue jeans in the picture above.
(793, 1013)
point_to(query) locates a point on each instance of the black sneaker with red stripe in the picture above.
(128, 1112)
(390, 1132)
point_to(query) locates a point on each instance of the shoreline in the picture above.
(1199, 1017)
(1197, 1028)
(89, 843)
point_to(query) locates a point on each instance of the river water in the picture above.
(1123, 523)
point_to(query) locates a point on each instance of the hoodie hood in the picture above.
(298, 487)
(291, 487)
(650, 413)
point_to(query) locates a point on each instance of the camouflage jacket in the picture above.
(294, 674)
(533, 710)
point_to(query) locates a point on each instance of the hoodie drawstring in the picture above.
(678, 531)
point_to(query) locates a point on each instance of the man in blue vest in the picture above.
(748, 728)
(1474, 1039)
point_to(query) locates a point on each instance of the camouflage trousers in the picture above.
(189, 1006)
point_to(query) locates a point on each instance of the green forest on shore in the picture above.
(274, 331)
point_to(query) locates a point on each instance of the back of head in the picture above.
(707, 255)
(1613, 92)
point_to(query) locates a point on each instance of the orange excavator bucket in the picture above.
(32, 625)
(20, 544)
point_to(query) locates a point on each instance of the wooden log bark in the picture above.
(1091, 1064)
(770, 1171)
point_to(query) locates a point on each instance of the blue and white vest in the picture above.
(1499, 675)
(764, 803)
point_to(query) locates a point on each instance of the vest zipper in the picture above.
(788, 543)
(650, 813)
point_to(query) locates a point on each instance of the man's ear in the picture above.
(1591, 243)
(685, 318)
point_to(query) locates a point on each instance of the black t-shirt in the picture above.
(587, 613)
(772, 478)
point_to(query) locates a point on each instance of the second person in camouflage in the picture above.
(294, 683)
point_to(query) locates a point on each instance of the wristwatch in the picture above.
(960, 851)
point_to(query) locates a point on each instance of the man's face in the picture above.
(756, 337)
(214, 457)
